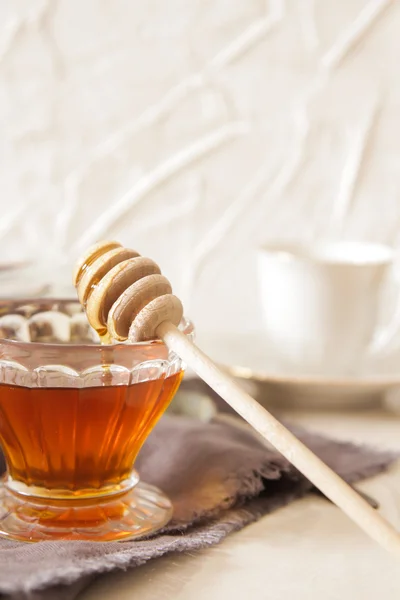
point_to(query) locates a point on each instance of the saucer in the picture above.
(272, 389)
(249, 360)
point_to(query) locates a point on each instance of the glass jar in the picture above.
(73, 416)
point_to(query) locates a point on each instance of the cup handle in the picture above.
(385, 334)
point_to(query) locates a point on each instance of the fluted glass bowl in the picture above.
(73, 416)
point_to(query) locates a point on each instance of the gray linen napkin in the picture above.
(219, 476)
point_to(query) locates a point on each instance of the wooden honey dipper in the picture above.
(125, 295)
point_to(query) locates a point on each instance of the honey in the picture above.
(79, 439)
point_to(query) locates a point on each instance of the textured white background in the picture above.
(195, 130)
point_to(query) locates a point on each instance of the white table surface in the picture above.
(308, 550)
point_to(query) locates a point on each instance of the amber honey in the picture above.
(79, 439)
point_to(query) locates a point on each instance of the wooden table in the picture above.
(308, 550)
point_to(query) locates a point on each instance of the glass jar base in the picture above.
(136, 513)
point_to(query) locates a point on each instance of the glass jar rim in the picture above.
(186, 326)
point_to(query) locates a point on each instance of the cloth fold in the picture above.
(220, 477)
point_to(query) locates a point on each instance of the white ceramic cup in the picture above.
(320, 303)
